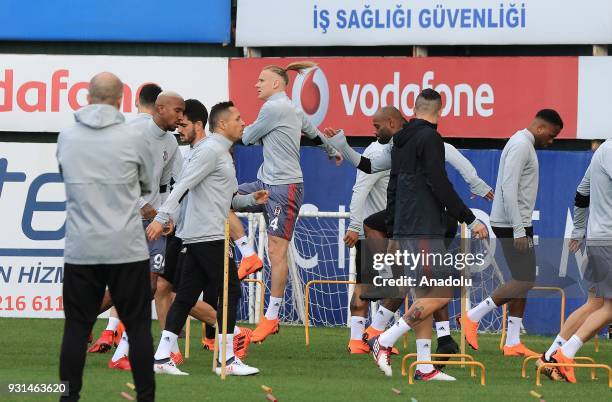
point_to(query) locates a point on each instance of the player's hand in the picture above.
(350, 238)
(521, 244)
(330, 132)
(169, 228)
(261, 196)
(488, 196)
(574, 245)
(339, 158)
(480, 231)
(148, 212)
(154, 230)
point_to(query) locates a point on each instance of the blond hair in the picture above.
(298, 66)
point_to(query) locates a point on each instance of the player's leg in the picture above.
(282, 212)
(83, 290)
(193, 280)
(132, 295)
(594, 322)
(446, 343)
(167, 278)
(250, 263)
(427, 372)
(522, 267)
(107, 339)
(359, 315)
(212, 258)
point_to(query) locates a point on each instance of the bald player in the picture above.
(106, 166)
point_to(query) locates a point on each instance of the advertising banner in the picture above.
(482, 97)
(41, 92)
(423, 22)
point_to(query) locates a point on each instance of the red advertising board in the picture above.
(482, 97)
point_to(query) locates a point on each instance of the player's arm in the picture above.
(515, 162)
(203, 162)
(364, 183)
(310, 131)
(243, 201)
(267, 120)
(431, 151)
(467, 171)
(581, 211)
(145, 164)
(378, 163)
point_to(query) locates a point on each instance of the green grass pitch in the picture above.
(30, 350)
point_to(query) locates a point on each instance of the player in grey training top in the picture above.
(515, 198)
(279, 127)
(593, 199)
(208, 179)
(106, 167)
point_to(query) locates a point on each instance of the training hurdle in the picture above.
(575, 365)
(448, 363)
(262, 289)
(450, 356)
(577, 358)
(307, 301)
(541, 288)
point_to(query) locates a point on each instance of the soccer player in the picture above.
(106, 166)
(593, 203)
(279, 127)
(209, 179)
(418, 198)
(192, 131)
(516, 191)
(145, 104)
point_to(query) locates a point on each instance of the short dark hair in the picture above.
(195, 111)
(550, 116)
(148, 94)
(216, 112)
(428, 101)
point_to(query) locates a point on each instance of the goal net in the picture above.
(317, 253)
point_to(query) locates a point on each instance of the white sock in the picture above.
(166, 343)
(357, 327)
(485, 307)
(229, 348)
(382, 318)
(245, 247)
(390, 336)
(513, 336)
(123, 349)
(424, 354)
(442, 328)
(555, 345)
(273, 307)
(571, 347)
(236, 330)
(113, 323)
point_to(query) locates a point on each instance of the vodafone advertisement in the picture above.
(41, 92)
(483, 97)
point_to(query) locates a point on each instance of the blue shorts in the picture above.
(157, 252)
(281, 211)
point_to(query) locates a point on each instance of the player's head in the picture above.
(225, 119)
(545, 127)
(273, 79)
(387, 121)
(428, 105)
(193, 123)
(105, 88)
(147, 95)
(169, 107)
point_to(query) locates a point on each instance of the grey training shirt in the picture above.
(517, 184)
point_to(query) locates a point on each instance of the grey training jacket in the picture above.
(106, 168)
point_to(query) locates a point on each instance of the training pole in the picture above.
(225, 291)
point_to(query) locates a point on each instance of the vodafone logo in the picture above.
(311, 94)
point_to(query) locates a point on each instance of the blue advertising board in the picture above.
(116, 20)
